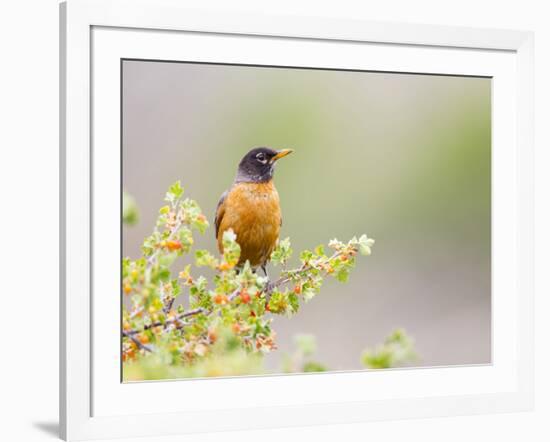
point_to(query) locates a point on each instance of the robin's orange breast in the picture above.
(252, 210)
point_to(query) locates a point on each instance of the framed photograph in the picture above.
(298, 220)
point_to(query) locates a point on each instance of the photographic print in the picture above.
(283, 220)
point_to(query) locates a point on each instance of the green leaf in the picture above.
(365, 245)
(343, 274)
(176, 288)
(397, 349)
(308, 293)
(130, 213)
(231, 249)
(229, 237)
(312, 367)
(204, 258)
(278, 303)
(175, 191)
(163, 274)
(167, 259)
(186, 238)
(282, 252)
(306, 256)
(307, 344)
(293, 302)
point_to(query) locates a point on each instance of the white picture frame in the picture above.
(95, 35)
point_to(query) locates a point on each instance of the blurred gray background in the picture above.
(403, 158)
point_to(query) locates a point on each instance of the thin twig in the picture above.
(174, 230)
(136, 341)
(233, 295)
(287, 276)
(136, 312)
(168, 303)
(176, 319)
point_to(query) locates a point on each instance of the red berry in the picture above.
(220, 299)
(245, 297)
(212, 336)
(173, 245)
(224, 266)
(143, 338)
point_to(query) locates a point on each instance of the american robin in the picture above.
(251, 207)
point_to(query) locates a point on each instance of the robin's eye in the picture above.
(261, 158)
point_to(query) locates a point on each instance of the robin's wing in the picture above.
(220, 211)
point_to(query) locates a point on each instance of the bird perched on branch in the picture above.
(251, 207)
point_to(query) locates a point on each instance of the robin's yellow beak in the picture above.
(280, 154)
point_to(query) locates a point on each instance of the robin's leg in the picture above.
(269, 286)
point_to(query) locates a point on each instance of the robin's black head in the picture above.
(257, 165)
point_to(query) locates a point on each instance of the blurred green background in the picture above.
(403, 158)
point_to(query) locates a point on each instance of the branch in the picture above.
(174, 230)
(130, 335)
(168, 303)
(177, 318)
(235, 293)
(306, 267)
